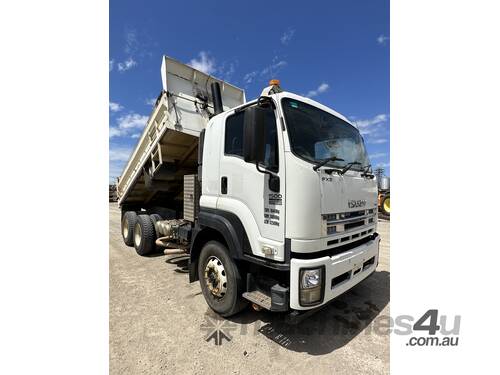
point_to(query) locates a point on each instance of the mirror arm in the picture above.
(274, 179)
(263, 99)
(265, 171)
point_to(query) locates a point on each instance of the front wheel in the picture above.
(220, 280)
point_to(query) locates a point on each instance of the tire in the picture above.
(144, 235)
(385, 205)
(129, 219)
(229, 302)
(155, 217)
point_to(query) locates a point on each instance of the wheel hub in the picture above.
(215, 277)
(137, 234)
(125, 228)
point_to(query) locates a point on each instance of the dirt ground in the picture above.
(159, 323)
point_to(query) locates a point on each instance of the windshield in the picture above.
(316, 135)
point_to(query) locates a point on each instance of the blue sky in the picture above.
(336, 52)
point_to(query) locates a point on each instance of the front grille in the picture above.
(337, 223)
(349, 237)
(346, 215)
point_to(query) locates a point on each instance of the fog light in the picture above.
(311, 286)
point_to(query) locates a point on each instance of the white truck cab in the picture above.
(286, 213)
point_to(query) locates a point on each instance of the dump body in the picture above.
(167, 148)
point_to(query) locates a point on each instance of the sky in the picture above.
(336, 52)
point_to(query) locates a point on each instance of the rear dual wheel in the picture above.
(129, 219)
(144, 235)
(139, 231)
(155, 218)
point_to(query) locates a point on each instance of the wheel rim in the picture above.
(125, 227)
(137, 234)
(387, 205)
(215, 277)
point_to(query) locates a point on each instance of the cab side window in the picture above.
(233, 141)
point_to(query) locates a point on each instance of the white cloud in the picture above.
(383, 165)
(205, 63)
(378, 155)
(227, 70)
(382, 39)
(377, 141)
(115, 107)
(267, 72)
(271, 70)
(287, 36)
(150, 101)
(372, 121)
(128, 124)
(119, 153)
(249, 77)
(136, 135)
(131, 47)
(127, 64)
(114, 132)
(319, 90)
(368, 126)
(131, 42)
(132, 121)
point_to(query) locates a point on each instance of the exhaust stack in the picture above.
(217, 98)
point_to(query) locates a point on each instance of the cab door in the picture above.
(245, 191)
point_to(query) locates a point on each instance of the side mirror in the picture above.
(254, 134)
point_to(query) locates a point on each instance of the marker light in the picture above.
(268, 250)
(274, 82)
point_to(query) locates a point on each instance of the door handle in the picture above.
(223, 185)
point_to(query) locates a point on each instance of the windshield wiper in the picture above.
(323, 162)
(366, 171)
(349, 166)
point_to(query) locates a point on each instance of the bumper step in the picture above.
(258, 298)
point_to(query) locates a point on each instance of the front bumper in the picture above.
(342, 272)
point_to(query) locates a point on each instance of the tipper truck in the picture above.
(272, 199)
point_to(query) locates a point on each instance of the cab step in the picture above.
(259, 298)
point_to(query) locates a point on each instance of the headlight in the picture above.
(311, 286)
(311, 278)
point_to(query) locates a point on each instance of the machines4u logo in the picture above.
(356, 203)
(218, 330)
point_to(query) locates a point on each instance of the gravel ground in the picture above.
(159, 323)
